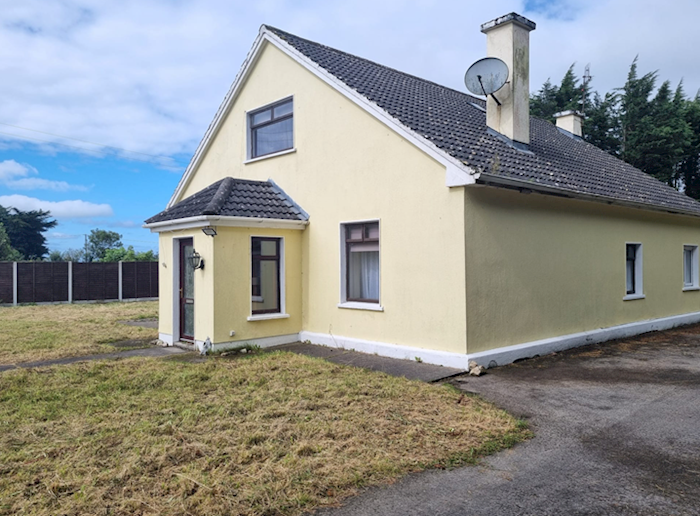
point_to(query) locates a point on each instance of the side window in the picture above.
(361, 272)
(265, 281)
(690, 267)
(271, 129)
(633, 271)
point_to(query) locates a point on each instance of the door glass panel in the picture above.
(188, 327)
(188, 277)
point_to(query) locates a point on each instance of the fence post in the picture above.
(120, 280)
(14, 283)
(70, 282)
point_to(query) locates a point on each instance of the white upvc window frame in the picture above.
(282, 314)
(249, 131)
(638, 278)
(694, 269)
(357, 305)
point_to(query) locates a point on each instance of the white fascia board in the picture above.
(457, 173)
(221, 221)
(485, 177)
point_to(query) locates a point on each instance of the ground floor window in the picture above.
(690, 266)
(633, 253)
(265, 293)
(362, 262)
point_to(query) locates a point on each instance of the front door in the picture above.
(186, 290)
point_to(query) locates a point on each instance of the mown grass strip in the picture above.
(272, 433)
(47, 332)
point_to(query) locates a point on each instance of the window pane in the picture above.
(363, 280)
(631, 256)
(268, 247)
(268, 289)
(688, 266)
(372, 231)
(355, 233)
(262, 116)
(274, 137)
(283, 109)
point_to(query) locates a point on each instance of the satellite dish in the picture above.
(486, 76)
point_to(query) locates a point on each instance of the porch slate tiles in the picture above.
(393, 366)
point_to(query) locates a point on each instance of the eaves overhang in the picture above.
(202, 221)
(486, 179)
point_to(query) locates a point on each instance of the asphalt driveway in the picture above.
(617, 430)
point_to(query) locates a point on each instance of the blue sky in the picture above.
(144, 79)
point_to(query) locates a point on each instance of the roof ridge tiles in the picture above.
(280, 33)
(219, 198)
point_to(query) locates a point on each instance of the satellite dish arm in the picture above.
(484, 90)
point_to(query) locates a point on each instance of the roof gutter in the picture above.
(493, 180)
(202, 221)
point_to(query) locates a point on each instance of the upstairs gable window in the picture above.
(271, 129)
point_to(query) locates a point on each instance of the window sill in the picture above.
(631, 297)
(273, 155)
(266, 317)
(355, 305)
(690, 289)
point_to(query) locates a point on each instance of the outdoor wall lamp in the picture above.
(196, 261)
(210, 231)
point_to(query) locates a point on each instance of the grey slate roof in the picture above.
(235, 198)
(456, 123)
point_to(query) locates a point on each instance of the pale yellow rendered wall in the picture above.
(540, 266)
(347, 167)
(232, 288)
(203, 283)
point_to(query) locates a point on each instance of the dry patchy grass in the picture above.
(45, 332)
(266, 434)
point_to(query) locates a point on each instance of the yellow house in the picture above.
(342, 202)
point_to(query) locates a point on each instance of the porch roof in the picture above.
(231, 197)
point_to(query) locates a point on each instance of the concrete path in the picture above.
(155, 351)
(617, 430)
(408, 368)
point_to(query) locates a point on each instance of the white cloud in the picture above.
(59, 209)
(10, 170)
(15, 176)
(62, 236)
(148, 75)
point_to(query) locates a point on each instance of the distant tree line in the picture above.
(656, 130)
(22, 238)
(103, 246)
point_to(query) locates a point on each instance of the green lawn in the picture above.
(45, 332)
(270, 433)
